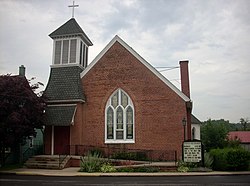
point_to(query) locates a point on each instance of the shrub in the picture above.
(238, 159)
(208, 160)
(230, 159)
(182, 167)
(107, 167)
(125, 169)
(91, 163)
(139, 156)
(97, 151)
(219, 156)
(233, 143)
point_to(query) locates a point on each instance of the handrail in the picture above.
(109, 151)
(62, 157)
(34, 150)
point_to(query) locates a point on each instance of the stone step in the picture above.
(46, 162)
(42, 166)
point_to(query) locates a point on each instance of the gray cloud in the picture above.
(213, 35)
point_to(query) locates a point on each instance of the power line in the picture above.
(167, 68)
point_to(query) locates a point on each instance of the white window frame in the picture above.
(78, 44)
(130, 104)
(31, 142)
(7, 150)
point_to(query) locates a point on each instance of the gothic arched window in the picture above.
(119, 118)
(193, 133)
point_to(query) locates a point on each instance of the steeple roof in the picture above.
(65, 85)
(71, 27)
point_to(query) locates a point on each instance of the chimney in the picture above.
(184, 78)
(186, 90)
(21, 70)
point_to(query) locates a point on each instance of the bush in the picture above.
(182, 167)
(208, 160)
(233, 143)
(107, 167)
(125, 169)
(96, 151)
(219, 156)
(139, 156)
(91, 162)
(238, 159)
(230, 159)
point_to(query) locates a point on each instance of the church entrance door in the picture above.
(61, 140)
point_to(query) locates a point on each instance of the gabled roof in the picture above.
(71, 27)
(143, 61)
(60, 115)
(243, 136)
(194, 120)
(64, 85)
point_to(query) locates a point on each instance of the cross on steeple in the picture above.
(73, 8)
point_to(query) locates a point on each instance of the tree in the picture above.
(21, 111)
(244, 123)
(214, 134)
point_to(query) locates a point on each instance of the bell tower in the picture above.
(70, 45)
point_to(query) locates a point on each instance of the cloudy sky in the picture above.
(213, 35)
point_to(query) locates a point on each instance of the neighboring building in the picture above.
(118, 101)
(242, 136)
(33, 145)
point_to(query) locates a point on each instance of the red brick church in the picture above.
(118, 100)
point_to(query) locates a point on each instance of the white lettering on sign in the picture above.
(192, 151)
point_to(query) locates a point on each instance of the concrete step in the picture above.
(42, 165)
(46, 162)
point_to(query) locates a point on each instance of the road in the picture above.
(17, 180)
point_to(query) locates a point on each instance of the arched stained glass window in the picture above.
(110, 123)
(114, 100)
(124, 99)
(119, 118)
(129, 123)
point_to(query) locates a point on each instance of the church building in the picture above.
(117, 101)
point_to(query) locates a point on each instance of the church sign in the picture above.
(192, 151)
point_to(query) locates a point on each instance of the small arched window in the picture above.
(119, 118)
(193, 133)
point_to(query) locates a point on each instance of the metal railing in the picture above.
(62, 156)
(121, 152)
(34, 150)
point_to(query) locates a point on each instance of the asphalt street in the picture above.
(21, 180)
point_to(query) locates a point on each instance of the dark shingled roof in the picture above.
(194, 120)
(71, 28)
(64, 84)
(59, 115)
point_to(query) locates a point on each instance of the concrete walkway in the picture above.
(73, 171)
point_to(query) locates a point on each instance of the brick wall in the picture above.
(158, 110)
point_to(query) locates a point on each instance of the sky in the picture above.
(213, 35)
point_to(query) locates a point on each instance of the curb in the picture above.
(158, 174)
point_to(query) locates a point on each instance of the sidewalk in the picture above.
(73, 171)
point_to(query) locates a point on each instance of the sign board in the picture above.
(192, 151)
